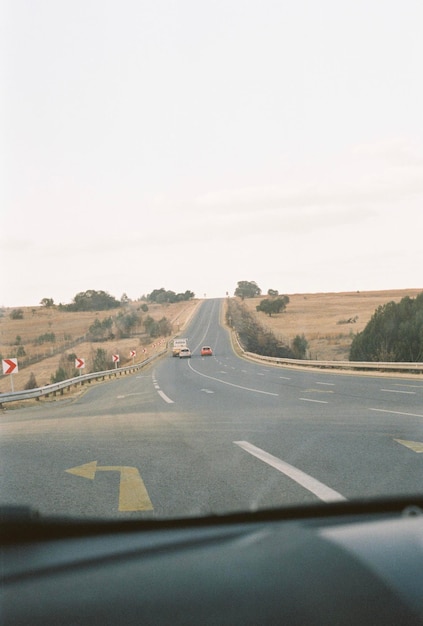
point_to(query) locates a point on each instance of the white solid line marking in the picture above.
(138, 393)
(399, 391)
(323, 492)
(397, 412)
(225, 382)
(165, 398)
(285, 377)
(311, 400)
(329, 384)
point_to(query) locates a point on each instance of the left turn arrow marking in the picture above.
(416, 446)
(133, 495)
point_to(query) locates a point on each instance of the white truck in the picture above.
(179, 343)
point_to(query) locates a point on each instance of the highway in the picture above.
(212, 435)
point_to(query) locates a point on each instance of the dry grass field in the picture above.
(69, 331)
(321, 318)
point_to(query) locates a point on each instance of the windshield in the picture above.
(290, 132)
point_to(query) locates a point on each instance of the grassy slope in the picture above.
(318, 317)
(67, 327)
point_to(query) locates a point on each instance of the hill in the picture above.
(328, 320)
(44, 334)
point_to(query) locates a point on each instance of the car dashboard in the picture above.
(346, 563)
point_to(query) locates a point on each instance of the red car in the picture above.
(206, 351)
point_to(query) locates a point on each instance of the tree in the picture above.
(157, 295)
(161, 296)
(157, 329)
(394, 333)
(100, 361)
(247, 289)
(300, 346)
(17, 314)
(164, 327)
(31, 382)
(66, 368)
(126, 323)
(47, 302)
(272, 292)
(273, 306)
(92, 300)
(101, 331)
(59, 375)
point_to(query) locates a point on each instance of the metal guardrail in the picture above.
(47, 390)
(350, 365)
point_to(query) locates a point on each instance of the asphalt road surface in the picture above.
(212, 435)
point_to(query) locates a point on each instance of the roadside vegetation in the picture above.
(47, 339)
(327, 322)
(254, 337)
(162, 295)
(394, 333)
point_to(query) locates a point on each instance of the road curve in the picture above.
(215, 434)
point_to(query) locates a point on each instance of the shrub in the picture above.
(46, 338)
(31, 382)
(394, 333)
(59, 375)
(100, 361)
(300, 346)
(17, 314)
(254, 337)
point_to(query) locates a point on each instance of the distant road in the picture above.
(214, 434)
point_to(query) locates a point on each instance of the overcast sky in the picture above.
(189, 145)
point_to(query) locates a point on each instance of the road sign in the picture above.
(133, 354)
(10, 366)
(79, 363)
(115, 358)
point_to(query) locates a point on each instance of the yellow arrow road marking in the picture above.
(416, 446)
(86, 471)
(133, 495)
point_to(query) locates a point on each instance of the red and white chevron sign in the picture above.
(115, 358)
(79, 363)
(10, 366)
(132, 354)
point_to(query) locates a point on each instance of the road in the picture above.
(214, 434)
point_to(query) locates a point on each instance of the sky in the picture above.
(191, 145)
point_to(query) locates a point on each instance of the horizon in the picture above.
(262, 295)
